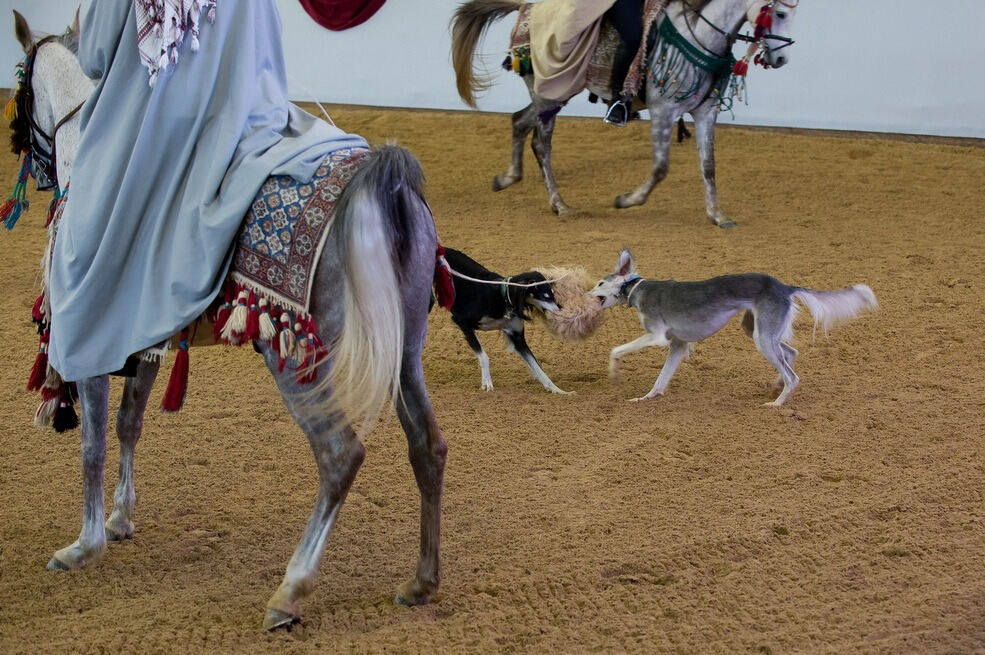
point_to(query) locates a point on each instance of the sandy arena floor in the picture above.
(851, 521)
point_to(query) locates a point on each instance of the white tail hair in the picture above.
(367, 354)
(830, 307)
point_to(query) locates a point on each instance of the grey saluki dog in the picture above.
(677, 314)
(371, 299)
(710, 28)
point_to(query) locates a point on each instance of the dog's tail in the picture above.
(830, 307)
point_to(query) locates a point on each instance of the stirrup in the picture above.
(618, 119)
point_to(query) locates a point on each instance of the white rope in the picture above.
(311, 95)
(505, 282)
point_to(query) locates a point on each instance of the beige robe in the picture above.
(563, 35)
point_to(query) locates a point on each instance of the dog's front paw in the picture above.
(487, 385)
(561, 391)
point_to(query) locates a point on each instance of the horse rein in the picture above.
(732, 38)
(45, 155)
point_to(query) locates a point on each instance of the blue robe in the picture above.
(165, 175)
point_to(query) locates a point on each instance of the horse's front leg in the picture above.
(129, 421)
(89, 547)
(661, 128)
(541, 144)
(523, 123)
(704, 124)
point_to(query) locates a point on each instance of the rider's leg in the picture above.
(626, 17)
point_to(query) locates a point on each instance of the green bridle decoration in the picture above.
(676, 64)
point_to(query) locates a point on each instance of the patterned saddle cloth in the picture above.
(278, 246)
(599, 74)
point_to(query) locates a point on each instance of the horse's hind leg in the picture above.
(338, 455)
(661, 127)
(89, 547)
(523, 122)
(427, 451)
(704, 125)
(541, 144)
(129, 421)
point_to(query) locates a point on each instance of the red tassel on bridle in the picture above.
(444, 286)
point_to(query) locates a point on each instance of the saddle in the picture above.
(599, 72)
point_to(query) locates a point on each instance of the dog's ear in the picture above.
(74, 27)
(23, 32)
(627, 264)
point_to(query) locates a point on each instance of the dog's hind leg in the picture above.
(476, 347)
(515, 342)
(523, 122)
(679, 351)
(789, 354)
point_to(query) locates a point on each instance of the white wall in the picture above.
(883, 65)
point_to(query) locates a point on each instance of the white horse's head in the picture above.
(57, 88)
(776, 38)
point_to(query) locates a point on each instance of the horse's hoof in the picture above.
(624, 201)
(727, 224)
(412, 593)
(500, 182)
(118, 537)
(118, 531)
(273, 619)
(55, 564)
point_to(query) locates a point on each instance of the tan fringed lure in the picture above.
(580, 314)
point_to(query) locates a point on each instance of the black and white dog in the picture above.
(499, 306)
(677, 314)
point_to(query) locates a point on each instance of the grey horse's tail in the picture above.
(469, 23)
(376, 221)
(830, 307)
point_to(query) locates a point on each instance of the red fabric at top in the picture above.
(341, 14)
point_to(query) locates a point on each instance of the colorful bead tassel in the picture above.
(17, 203)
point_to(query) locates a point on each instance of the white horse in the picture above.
(710, 27)
(370, 301)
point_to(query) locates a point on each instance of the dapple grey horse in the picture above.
(711, 27)
(371, 298)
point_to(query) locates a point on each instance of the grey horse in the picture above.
(372, 302)
(710, 28)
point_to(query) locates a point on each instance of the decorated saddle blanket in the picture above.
(283, 235)
(598, 74)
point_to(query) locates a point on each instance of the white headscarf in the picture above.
(161, 29)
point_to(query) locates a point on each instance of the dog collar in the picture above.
(623, 291)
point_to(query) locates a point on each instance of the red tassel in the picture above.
(37, 313)
(39, 372)
(444, 286)
(252, 319)
(741, 68)
(222, 314)
(174, 395)
(764, 20)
